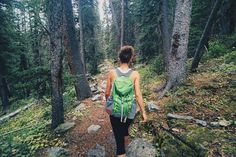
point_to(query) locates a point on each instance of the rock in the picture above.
(201, 122)
(96, 97)
(224, 123)
(93, 88)
(100, 90)
(103, 85)
(140, 148)
(214, 124)
(64, 127)
(93, 128)
(80, 107)
(57, 152)
(176, 130)
(77, 103)
(152, 107)
(74, 118)
(175, 116)
(98, 151)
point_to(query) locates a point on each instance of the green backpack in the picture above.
(123, 94)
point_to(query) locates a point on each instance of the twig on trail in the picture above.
(196, 149)
(199, 151)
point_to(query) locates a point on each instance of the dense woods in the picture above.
(52, 51)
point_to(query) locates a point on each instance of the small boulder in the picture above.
(57, 152)
(103, 85)
(80, 107)
(96, 97)
(77, 102)
(201, 122)
(93, 128)
(141, 148)
(93, 88)
(98, 151)
(64, 127)
(224, 123)
(214, 124)
(151, 106)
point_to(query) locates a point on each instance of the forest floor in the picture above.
(80, 141)
(208, 96)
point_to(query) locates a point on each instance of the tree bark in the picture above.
(81, 34)
(176, 72)
(228, 17)
(4, 93)
(122, 24)
(114, 17)
(206, 33)
(56, 27)
(75, 58)
(165, 32)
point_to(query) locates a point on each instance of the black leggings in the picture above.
(120, 130)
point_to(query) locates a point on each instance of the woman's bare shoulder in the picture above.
(135, 73)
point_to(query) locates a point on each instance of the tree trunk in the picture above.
(206, 33)
(75, 59)
(114, 17)
(228, 17)
(165, 32)
(4, 93)
(179, 43)
(23, 67)
(81, 34)
(56, 27)
(122, 24)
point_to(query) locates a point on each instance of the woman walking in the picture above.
(122, 94)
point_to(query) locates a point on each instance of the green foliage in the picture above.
(147, 17)
(157, 64)
(230, 58)
(216, 49)
(194, 37)
(28, 132)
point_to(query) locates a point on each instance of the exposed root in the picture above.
(168, 86)
(160, 89)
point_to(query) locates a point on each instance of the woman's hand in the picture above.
(144, 117)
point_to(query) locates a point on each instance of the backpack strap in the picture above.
(127, 74)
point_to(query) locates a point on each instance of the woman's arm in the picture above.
(108, 86)
(138, 96)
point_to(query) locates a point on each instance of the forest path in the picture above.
(79, 140)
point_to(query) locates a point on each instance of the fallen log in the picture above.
(10, 115)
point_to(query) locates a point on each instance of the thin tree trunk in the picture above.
(75, 59)
(23, 67)
(206, 33)
(122, 24)
(179, 44)
(56, 27)
(114, 17)
(81, 34)
(165, 32)
(4, 93)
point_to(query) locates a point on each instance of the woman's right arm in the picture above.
(108, 86)
(138, 96)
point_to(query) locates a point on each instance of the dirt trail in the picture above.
(80, 141)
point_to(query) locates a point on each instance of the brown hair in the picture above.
(126, 52)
